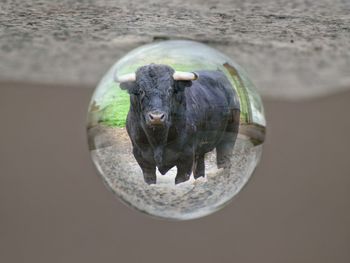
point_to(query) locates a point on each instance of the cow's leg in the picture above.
(183, 172)
(184, 168)
(224, 149)
(149, 175)
(199, 168)
(148, 168)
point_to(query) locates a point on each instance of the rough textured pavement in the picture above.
(290, 49)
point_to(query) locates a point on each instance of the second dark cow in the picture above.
(175, 118)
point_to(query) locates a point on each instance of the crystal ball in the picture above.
(175, 129)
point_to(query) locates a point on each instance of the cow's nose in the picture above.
(156, 118)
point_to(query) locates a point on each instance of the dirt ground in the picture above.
(291, 49)
(112, 154)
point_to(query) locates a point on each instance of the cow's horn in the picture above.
(125, 78)
(178, 75)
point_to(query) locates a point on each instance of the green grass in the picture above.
(115, 108)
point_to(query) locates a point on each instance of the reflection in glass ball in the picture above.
(176, 128)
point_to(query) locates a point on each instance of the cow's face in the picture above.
(155, 95)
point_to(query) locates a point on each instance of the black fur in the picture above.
(200, 115)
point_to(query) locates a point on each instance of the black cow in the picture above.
(175, 118)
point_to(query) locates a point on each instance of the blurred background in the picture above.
(55, 208)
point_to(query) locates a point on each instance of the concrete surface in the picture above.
(291, 49)
(54, 207)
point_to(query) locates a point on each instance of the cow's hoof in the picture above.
(150, 180)
(197, 175)
(179, 180)
(224, 165)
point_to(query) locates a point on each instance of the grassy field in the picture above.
(115, 112)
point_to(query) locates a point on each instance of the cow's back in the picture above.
(211, 95)
(210, 102)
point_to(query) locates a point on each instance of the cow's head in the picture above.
(156, 92)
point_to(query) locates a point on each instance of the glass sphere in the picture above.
(175, 129)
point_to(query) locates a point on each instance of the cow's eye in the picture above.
(142, 93)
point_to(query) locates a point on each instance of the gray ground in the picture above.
(290, 48)
(190, 199)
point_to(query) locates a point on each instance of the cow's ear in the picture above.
(180, 85)
(129, 86)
